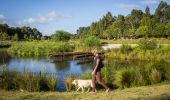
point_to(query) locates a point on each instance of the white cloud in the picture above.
(148, 2)
(42, 19)
(131, 6)
(2, 19)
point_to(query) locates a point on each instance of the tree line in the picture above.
(135, 25)
(18, 33)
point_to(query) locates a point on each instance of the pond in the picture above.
(61, 67)
(56, 66)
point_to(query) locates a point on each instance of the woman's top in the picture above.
(100, 65)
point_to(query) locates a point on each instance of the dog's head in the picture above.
(74, 82)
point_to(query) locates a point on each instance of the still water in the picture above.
(56, 66)
(66, 66)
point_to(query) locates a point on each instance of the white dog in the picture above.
(82, 84)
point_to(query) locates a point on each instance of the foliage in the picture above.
(18, 33)
(68, 82)
(126, 49)
(11, 80)
(91, 42)
(141, 31)
(147, 44)
(135, 25)
(159, 53)
(150, 73)
(39, 48)
(61, 36)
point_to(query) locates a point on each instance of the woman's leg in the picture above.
(94, 82)
(100, 81)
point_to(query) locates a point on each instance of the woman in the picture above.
(96, 73)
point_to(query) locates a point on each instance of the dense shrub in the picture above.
(125, 49)
(91, 42)
(155, 76)
(11, 80)
(41, 48)
(147, 44)
(61, 36)
(68, 82)
(149, 74)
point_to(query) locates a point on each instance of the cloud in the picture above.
(3, 19)
(42, 19)
(131, 6)
(148, 2)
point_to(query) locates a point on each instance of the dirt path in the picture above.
(113, 46)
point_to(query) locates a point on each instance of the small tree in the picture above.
(15, 37)
(147, 44)
(91, 42)
(4, 36)
(61, 36)
(141, 31)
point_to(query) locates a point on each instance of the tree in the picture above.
(15, 37)
(61, 36)
(162, 13)
(146, 24)
(167, 29)
(147, 11)
(4, 36)
(141, 31)
(159, 30)
(91, 42)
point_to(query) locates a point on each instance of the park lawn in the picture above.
(154, 92)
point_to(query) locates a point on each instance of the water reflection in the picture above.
(4, 57)
(64, 66)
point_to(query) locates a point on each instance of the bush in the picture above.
(42, 48)
(147, 44)
(91, 42)
(125, 49)
(61, 36)
(85, 76)
(51, 82)
(123, 78)
(11, 80)
(155, 76)
(68, 82)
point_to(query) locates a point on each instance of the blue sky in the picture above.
(51, 15)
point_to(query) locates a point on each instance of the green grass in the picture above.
(154, 92)
(39, 48)
(5, 43)
(162, 52)
(11, 80)
(136, 41)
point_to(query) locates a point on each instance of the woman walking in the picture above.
(96, 73)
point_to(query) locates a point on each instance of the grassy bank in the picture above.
(162, 52)
(155, 92)
(136, 41)
(5, 44)
(11, 80)
(39, 48)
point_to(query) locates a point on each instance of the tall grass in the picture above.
(136, 41)
(163, 52)
(149, 74)
(39, 48)
(11, 80)
(68, 82)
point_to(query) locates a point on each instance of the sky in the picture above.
(68, 15)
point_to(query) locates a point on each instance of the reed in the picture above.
(12, 80)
